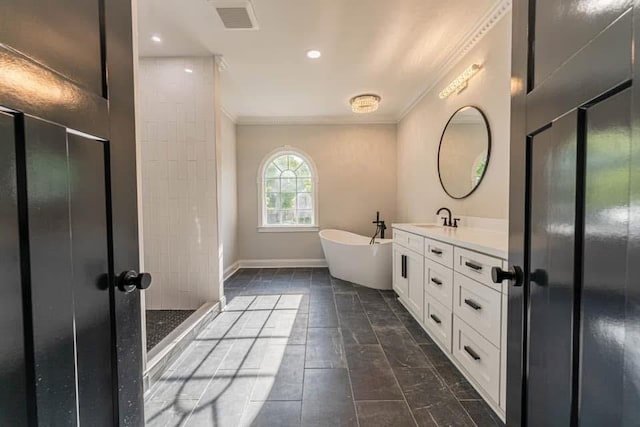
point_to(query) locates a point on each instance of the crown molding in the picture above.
(222, 63)
(315, 120)
(486, 23)
(230, 116)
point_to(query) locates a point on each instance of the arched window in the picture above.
(288, 191)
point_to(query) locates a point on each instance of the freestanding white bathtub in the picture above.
(352, 258)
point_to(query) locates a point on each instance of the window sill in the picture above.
(289, 229)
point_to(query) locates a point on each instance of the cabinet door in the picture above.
(415, 275)
(400, 283)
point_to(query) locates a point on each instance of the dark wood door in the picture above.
(68, 215)
(573, 322)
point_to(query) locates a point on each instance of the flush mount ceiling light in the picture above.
(460, 82)
(314, 54)
(188, 70)
(367, 103)
(156, 39)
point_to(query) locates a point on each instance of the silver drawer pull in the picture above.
(471, 353)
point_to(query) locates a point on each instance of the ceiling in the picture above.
(393, 48)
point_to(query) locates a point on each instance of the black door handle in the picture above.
(436, 251)
(435, 319)
(516, 275)
(436, 281)
(471, 303)
(404, 266)
(540, 277)
(471, 353)
(476, 267)
(128, 281)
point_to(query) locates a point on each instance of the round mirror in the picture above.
(464, 151)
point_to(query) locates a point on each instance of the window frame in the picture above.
(262, 212)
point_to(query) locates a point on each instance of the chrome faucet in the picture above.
(447, 222)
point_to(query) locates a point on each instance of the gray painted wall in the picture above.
(357, 176)
(229, 207)
(419, 190)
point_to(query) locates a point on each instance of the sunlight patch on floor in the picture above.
(233, 361)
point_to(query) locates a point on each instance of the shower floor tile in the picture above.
(160, 323)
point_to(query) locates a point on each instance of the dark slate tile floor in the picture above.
(297, 347)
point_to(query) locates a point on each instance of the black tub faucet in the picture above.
(380, 224)
(380, 227)
(447, 221)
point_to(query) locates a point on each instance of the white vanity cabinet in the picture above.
(443, 277)
(400, 282)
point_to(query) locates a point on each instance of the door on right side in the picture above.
(571, 322)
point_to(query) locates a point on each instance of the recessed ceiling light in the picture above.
(156, 39)
(188, 70)
(314, 54)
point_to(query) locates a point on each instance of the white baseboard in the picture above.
(230, 271)
(282, 263)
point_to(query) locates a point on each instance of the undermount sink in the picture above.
(430, 226)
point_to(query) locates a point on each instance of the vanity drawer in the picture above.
(401, 237)
(408, 240)
(439, 252)
(478, 357)
(438, 282)
(476, 266)
(437, 319)
(479, 306)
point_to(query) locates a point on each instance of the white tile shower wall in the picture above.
(177, 111)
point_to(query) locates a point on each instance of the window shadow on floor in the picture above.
(299, 347)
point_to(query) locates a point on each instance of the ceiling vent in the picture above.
(236, 14)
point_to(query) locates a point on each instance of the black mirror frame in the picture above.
(486, 123)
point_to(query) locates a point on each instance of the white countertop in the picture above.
(490, 242)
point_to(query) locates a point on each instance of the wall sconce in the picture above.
(460, 82)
